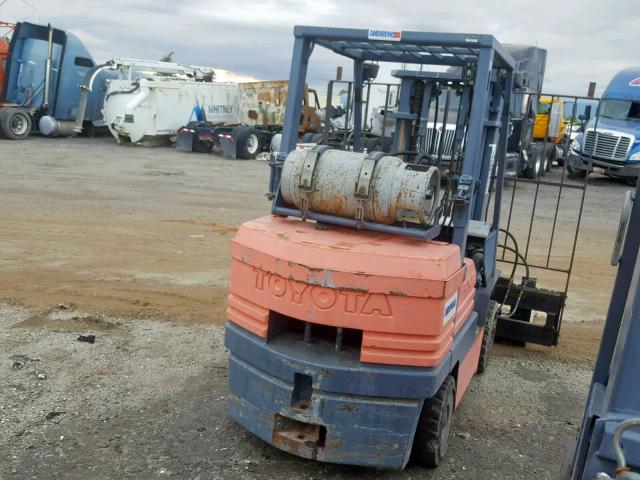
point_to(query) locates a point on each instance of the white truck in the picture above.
(157, 103)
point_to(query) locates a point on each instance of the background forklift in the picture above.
(361, 309)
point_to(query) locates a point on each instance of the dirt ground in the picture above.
(131, 245)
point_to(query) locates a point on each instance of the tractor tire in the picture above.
(306, 138)
(488, 337)
(15, 123)
(435, 426)
(247, 142)
(575, 174)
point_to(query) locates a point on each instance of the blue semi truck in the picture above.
(44, 70)
(610, 142)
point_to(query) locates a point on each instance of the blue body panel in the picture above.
(623, 87)
(70, 62)
(369, 411)
(614, 395)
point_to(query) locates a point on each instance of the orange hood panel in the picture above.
(408, 296)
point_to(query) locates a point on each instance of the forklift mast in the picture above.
(482, 77)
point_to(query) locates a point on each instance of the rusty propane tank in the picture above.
(353, 185)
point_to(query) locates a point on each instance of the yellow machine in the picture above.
(550, 121)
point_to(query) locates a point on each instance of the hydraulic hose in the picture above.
(617, 444)
(518, 256)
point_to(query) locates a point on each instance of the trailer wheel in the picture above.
(247, 142)
(15, 123)
(306, 138)
(317, 138)
(550, 158)
(488, 336)
(371, 144)
(535, 166)
(435, 425)
(387, 144)
(575, 173)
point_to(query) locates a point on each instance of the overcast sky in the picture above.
(586, 40)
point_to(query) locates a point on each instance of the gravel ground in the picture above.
(130, 245)
(148, 400)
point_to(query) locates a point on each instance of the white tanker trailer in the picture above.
(156, 103)
(151, 110)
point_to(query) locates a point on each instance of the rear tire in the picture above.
(247, 143)
(387, 144)
(371, 144)
(575, 174)
(317, 138)
(200, 146)
(15, 123)
(550, 158)
(435, 426)
(488, 337)
(306, 138)
(533, 170)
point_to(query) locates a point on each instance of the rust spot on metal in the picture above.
(299, 438)
(336, 204)
(397, 292)
(354, 289)
(349, 408)
(315, 270)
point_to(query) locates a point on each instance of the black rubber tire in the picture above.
(575, 174)
(560, 161)
(551, 156)
(89, 130)
(306, 138)
(532, 171)
(435, 426)
(544, 166)
(371, 144)
(247, 142)
(15, 123)
(200, 146)
(387, 144)
(488, 337)
(2, 111)
(317, 138)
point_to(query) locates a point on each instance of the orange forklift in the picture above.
(361, 308)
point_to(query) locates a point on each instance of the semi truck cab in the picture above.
(43, 71)
(610, 143)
